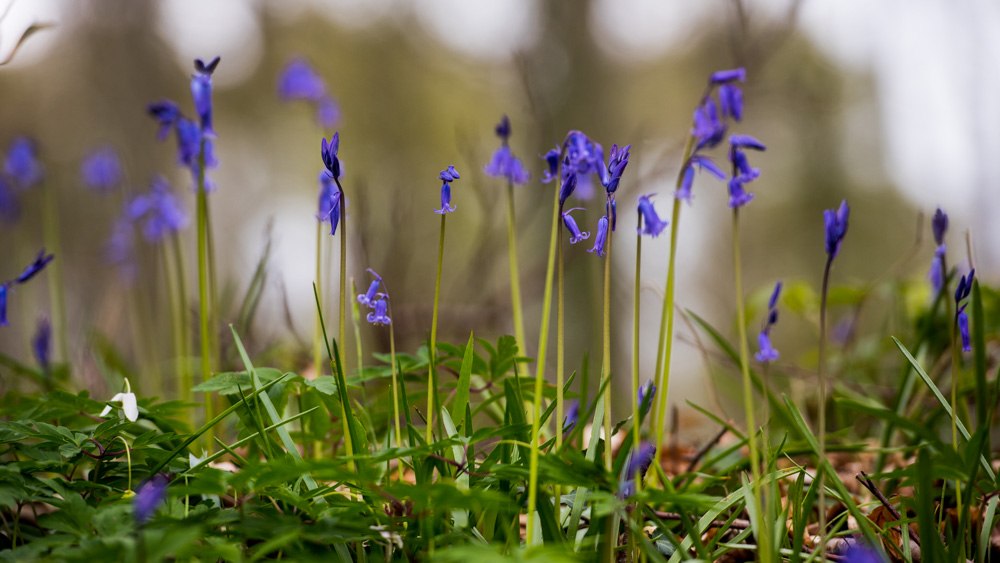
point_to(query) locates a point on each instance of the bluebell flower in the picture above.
(728, 76)
(567, 188)
(738, 196)
(936, 274)
(963, 330)
(552, 165)
(21, 163)
(963, 291)
(575, 235)
(602, 235)
(964, 288)
(767, 352)
(836, 227)
(166, 113)
(705, 164)
(41, 343)
(119, 250)
(298, 81)
(379, 316)
(572, 415)
(504, 164)
(10, 207)
(329, 153)
(150, 496)
(188, 142)
(731, 101)
(708, 128)
(201, 91)
(447, 176)
(329, 201)
(645, 397)
(617, 161)
(160, 211)
(370, 296)
(101, 170)
(41, 260)
(858, 553)
(639, 461)
(503, 129)
(939, 225)
(652, 224)
(584, 156)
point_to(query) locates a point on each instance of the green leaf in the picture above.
(464, 382)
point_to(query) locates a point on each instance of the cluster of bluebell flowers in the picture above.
(376, 300)
(299, 81)
(194, 139)
(767, 352)
(504, 164)
(963, 291)
(936, 275)
(36, 266)
(447, 176)
(160, 211)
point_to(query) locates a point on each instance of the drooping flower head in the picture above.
(379, 316)
(651, 223)
(639, 461)
(190, 143)
(602, 235)
(447, 176)
(583, 156)
(645, 397)
(567, 188)
(836, 227)
(551, 159)
(963, 291)
(166, 113)
(743, 173)
(160, 211)
(575, 235)
(298, 81)
(201, 91)
(41, 343)
(150, 496)
(21, 163)
(504, 164)
(939, 225)
(767, 352)
(617, 161)
(329, 201)
(709, 123)
(368, 298)
(329, 150)
(101, 170)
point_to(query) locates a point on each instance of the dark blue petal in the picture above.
(503, 129)
(726, 76)
(40, 262)
(602, 235)
(939, 224)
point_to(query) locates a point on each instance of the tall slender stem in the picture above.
(606, 361)
(540, 376)
(515, 278)
(560, 346)
(317, 339)
(666, 339)
(763, 542)
(213, 293)
(821, 370)
(395, 394)
(342, 320)
(432, 351)
(956, 369)
(203, 314)
(57, 294)
(636, 433)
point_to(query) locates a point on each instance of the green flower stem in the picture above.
(203, 314)
(764, 541)
(356, 321)
(317, 338)
(515, 278)
(432, 402)
(395, 389)
(342, 320)
(636, 431)
(606, 361)
(213, 294)
(183, 322)
(540, 376)
(956, 369)
(560, 347)
(57, 293)
(666, 338)
(821, 370)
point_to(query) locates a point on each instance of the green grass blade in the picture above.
(464, 382)
(979, 353)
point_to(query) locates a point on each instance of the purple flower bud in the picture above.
(166, 113)
(567, 189)
(687, 180)
(731, 100)
(963, 329)
(21, 163)
(503, 129)
(836, 228)
(939, 224)
(738, 197)
(552, 160)
(161, 211)
(101, 170)
(41, 260)
(369, 297)
(575, 235)
(201, 91)
(150, 496)
(652, 224)
(639, 460)
(329, 153)
(773, 301)
(727, 76)
(936, 274)
(298, 81)
(329, 201)
(617, 161)
(41, 343)
(602, 235)
(447, 176)
(379, 316)
(645, 397)
(572, 415)
(708, 130)
(767, 353)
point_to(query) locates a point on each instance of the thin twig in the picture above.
(868, 484)
(704, 449)
(737, 523)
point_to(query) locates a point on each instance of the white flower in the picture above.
(129, 405)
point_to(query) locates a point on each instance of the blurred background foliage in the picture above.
(420, 86)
